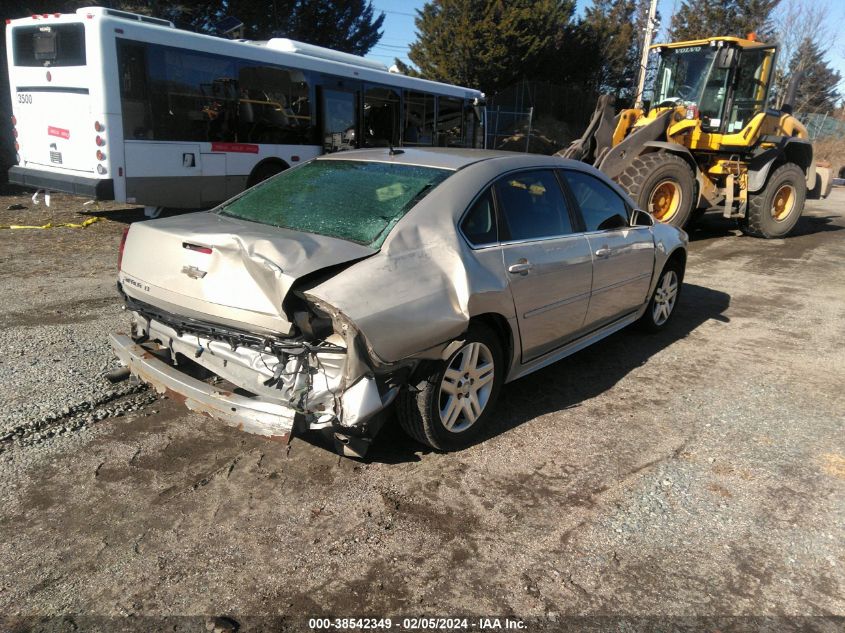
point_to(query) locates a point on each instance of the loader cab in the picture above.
(723, 82)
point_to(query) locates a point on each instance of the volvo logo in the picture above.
(193, 272)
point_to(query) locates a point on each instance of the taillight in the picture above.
(122, 246)
(100, 155)
(14, 120)
(100, 141)
(99, 127)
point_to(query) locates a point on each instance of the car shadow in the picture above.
(130, 214)
(579, 377)
(714, 225)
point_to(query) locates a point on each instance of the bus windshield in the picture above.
(49, 45)
(351, 200)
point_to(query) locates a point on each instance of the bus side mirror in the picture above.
(726, 57)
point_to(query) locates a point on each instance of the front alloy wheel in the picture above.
(665, 297)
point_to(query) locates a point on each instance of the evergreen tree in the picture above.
(488, 44)
(610, 28)
(615, 31)
(818, 85)
(706, 18)
(351, 26)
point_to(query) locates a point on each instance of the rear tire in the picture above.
(662, 184)
(774, 211)
(451, 404)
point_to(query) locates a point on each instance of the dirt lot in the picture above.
(696, 473)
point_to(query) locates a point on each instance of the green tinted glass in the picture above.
(351, 200)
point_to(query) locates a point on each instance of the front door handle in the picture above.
(603, 252)
(521, 267)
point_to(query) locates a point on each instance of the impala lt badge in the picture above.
(193, 272)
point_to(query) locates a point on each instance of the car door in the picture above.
(623, 255)
(548, 264)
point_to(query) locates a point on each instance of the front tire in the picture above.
(774, 211)
(665, 297)
(662, 184)
(450, 407)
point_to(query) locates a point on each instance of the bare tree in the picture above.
(797, 21)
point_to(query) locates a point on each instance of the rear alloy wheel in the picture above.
(774, 211)
(664, 299)
(449, 408)
(662, 184)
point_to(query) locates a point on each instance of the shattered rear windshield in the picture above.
(351, 200)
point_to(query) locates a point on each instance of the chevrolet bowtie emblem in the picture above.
(193, 272)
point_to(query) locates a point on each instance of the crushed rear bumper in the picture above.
(253, 415)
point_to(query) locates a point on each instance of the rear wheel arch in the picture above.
(502, 329)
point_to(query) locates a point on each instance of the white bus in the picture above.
(117, 106)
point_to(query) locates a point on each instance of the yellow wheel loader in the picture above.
(708, 139)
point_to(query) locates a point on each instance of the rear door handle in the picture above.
(604, 251)
(520, 268)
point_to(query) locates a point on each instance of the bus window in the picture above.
(273, 106)
(419, 119)
(193, 95)
(449, 111)
(132, 69)
(339, 120)
(53, 45)
(381, 117)
(471, 127)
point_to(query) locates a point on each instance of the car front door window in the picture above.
(623, 256)
(600, 206)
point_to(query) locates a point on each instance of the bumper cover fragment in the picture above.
(252, 415)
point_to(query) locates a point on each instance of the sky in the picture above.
(399, 29)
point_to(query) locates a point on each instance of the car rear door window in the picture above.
(533, 206)
(601, 207)
(479, 225)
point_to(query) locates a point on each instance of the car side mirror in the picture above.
(641, 218)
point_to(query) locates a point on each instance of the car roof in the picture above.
(458, 158)
(441, 157)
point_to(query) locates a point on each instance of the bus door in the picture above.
(340, 114)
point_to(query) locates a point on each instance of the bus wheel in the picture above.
(153, 212)
(265, 171)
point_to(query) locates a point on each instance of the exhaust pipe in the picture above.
(791, 93)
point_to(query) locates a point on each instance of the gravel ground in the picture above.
(698, 473)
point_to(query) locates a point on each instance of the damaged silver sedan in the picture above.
(418, 278)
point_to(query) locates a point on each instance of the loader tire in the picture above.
(774, 211)
(662, 184)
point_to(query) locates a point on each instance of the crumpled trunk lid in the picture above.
(216, 268)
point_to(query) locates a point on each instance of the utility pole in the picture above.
(650, 28)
